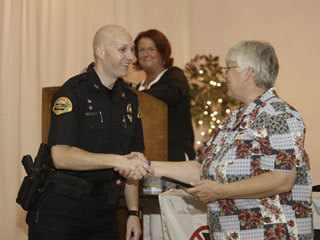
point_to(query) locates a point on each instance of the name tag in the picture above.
(92, 114)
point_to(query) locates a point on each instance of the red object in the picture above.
(118, 182)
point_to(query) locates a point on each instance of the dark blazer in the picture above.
(173, 89)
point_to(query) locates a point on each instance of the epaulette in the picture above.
(73, 82)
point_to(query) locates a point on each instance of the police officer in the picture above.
(95, 125)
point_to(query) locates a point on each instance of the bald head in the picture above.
(113, 53)
(108, 33)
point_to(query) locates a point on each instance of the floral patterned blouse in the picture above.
(266, 136)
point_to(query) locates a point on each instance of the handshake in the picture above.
(135, 166)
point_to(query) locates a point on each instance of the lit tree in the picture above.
(210, 103)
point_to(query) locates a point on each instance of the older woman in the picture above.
(169, 84)
(254, 172)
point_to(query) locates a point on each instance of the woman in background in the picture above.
(169, 84)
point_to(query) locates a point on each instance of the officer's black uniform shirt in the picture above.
(87, 115)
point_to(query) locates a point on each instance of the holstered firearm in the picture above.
(37, 175)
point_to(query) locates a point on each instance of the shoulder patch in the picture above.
(62, 105)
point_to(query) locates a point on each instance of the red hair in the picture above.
(162, 44)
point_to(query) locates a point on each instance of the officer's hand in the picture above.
(146, 172)
(130, 173)
(139, 155)
(135, 166)
(131, 170)
(133, 228)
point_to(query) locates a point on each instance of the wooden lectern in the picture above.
(154, 124)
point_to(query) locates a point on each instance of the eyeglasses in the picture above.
(226, 69)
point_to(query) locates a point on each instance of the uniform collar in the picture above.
(96, 85)
(94, 82)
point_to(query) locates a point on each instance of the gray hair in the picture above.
(260, 57)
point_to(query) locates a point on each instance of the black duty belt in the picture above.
(72, 186)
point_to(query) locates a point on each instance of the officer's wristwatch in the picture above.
(137, 213)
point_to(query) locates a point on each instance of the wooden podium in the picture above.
(154, 124)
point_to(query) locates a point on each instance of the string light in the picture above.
(206, 83)
(213, 83)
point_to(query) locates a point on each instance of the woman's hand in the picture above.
(206, 191)
(256, 187)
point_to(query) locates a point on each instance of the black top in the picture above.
(173, 89)
(87, 115)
